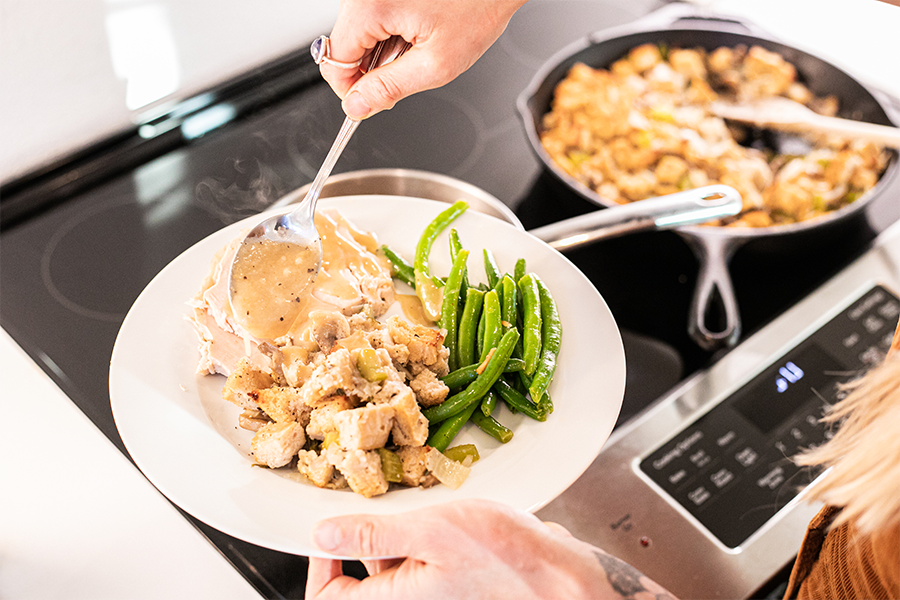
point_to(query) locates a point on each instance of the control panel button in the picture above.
(699, 495)
(726, 439)
(721, 478)
(773, 479)
(700, 458)
(747, 457)
(890, 310)
(851, 340)
(678, 476)
(873, 324)
(871, 356)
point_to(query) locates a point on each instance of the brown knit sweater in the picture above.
(841, 564)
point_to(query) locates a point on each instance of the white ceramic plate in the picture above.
(186, 440)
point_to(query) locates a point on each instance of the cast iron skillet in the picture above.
(681, 26)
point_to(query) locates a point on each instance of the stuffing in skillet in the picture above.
(642, 129)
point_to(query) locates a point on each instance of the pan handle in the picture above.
(689, 207)
(714, 291)
(680, 14)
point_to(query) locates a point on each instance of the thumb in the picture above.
(381, 88)
(361, 536)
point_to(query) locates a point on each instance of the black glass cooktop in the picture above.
(80, 243)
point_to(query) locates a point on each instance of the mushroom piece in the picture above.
(328, 327)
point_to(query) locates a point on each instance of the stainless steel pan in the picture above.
(682, 26)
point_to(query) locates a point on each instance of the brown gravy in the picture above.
(270, 277)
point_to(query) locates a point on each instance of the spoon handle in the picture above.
(384, 52)
(879, 134)
(307, 208)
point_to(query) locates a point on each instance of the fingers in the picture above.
(363, 536)
(448, 36)
(322, 571)
(350, 40)
(557, 528)
(374, 567)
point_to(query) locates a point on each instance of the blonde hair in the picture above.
(864, 455)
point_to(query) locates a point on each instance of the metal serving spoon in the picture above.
(279, 259)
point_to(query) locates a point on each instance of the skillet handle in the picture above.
(714, 287)
(681, 15)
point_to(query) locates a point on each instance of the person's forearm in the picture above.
(626, 581)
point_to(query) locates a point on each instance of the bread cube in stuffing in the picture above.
(276, 444)
(315, 467)
(366, 427)
(361, 468)
(243, 380)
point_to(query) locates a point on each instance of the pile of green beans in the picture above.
(503, 337)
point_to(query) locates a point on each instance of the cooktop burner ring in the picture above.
(58, 238)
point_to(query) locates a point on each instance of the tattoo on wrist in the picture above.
(627, 581)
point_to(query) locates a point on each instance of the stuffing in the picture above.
(315, 467)
(346, 396)
(643, 128)
(413, 460)
(429, 390)
(410, 426)
(321, 419)
(243, 381)
(327, 327)
(276, 444)
(364, 428)
(361, 468)
(426, 346)
(279, 403)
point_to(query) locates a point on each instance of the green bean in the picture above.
(531, 322)
(445, 433)
(551, 338)
(425, 287)
(423, 248)
(519, 271)
(402, 270)
(488, 403)
(517, 401)
(468, 326)
(493, 331)
(492, 427)
(509, 306)
(455, 247)
(463, 376)
(523, 382)
(479, 334)
(483, 382)
(491, 269)
(449, 305)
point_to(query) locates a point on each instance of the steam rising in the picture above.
(253, 188)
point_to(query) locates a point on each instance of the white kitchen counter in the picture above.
(77, 520)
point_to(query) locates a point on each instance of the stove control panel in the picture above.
(731, 468)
